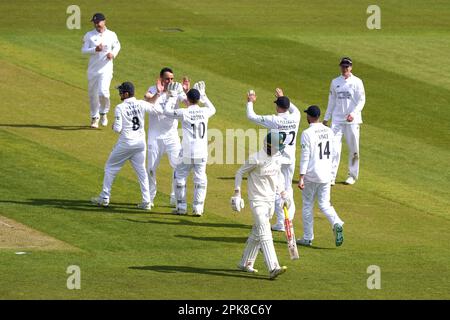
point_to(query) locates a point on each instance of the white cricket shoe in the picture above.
(145, 206)
(247, 269)
(173, 201)
(180, 211)
(304, 242)
(350, 180)
(103, 120)
(100, 201)
(197, 212)
(333, 182)
(278, 227)
(276, 272)
(94, 123)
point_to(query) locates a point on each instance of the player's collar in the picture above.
(351, 75)
(129, 99)
(106, 29)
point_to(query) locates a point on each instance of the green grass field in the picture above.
(397, 216)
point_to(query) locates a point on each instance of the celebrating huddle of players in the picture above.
(270, 171)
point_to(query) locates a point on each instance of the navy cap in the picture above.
(313, 111)
(193, 95)
(283, 102)
(126, 87)
(346, 62)
(98, 17)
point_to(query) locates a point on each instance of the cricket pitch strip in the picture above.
(14, 235)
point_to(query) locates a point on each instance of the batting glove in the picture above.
(237, 203)
(285, 200)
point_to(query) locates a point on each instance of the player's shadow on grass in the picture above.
(317, 248)
(195, 270)
(40, 126)
(240, 240)
(229, 178)
(194, 222)
(83, 205)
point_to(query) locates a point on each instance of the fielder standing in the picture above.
(129, 123)
(194, 155)
(345, 103)
(103, 46)
(264, 181)
(315, 177)
(163, 131)
(287, 122)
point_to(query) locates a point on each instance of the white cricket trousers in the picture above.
(200, 183)
(322, 192)
(351, 134)
(99, 93)
(287, 170)
(119, 155)
(156, 149)
(261, 236)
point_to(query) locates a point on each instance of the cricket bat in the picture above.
(290, 236)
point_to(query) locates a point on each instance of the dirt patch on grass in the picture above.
(14, 235)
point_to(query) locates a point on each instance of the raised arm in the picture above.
(170, 111)
(265, 121)
(152, 108)
(210, 106)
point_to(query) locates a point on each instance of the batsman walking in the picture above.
(264, 180)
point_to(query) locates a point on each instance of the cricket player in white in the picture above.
(163, 131)
(194, 155)
(103, 46)
(129, 123)
(286, 121)
(264, 181)
(345, 103)
(315, 176)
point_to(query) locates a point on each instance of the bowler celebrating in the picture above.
(129, 123)
(163, 131)
(345, 103)
(315, 177)
(103, 46)
(194, 121)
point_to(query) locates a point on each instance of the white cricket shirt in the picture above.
(264, 176)
(161, 126)
(129, 119)
(98, 62)
(194, 122)
(316, 154)
(287, 123)
(346, 97)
